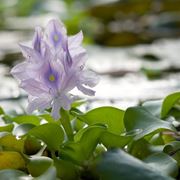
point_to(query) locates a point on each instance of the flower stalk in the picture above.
(65, 121)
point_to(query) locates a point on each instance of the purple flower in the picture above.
(54, 66)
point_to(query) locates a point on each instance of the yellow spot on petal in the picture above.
(56, 38)
(51, 77)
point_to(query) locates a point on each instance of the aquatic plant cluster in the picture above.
(56, 140)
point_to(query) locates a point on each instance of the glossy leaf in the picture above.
(50, 174)
(23, 129)
(7, 128)
(12, 174)
(38, 165)
(169, 102)
(115, 165)
(154, 107)
(85, 143)
(163, 163)
(31, 119)
(139, 118)
(51, 134)
(110, 140)
(110, 116)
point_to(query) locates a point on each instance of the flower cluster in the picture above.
(54, 66)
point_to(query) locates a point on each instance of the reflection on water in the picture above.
(121, 90)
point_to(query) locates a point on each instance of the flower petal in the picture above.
(75, 41)
(37, 39)
(33, 87)
(40, 103)
(56, 33)
(85, 90)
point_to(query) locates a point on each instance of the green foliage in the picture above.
(104, 143)
(116, 165)
(140, 119)
(51, 134)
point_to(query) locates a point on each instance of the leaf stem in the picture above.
(65, 121)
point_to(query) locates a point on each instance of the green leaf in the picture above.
(154, 107)
(50, 174)
(1, 111)
(11, 160)
(9, 174)
(31, 145)
(110, 140)
(115, 165)
(52, 134)
(23, 129)
(139, 118)
(48, 118)
(169, 102)
(9, 142)
(30, 119)
(66, 169)
(38, 165)
(173, 149)
(135, 148)
(85, 143)
(163, 163)
(7, 128)
(110, 116)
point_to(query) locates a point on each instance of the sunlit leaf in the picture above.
(7, 127)
(23, 129)
(51, 134)
(50, 174)
(169, 102)
(11, 160)
(154, 107)
(110, 140)
(31, 119)
(85, 143)
(110, 116)
(38, 165)
(10, 142)
(139, 118)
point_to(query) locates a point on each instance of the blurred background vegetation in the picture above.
(105, 22)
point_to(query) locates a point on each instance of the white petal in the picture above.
(40, 103)
(76, 40)
(86, 91)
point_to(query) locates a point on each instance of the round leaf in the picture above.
(110, 116)
(139, 118)
(51, 134)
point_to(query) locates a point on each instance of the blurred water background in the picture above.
(133, 44)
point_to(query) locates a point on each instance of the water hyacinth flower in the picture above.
(53, 67)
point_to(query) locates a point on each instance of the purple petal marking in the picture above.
(56, 33)
(37, 40)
